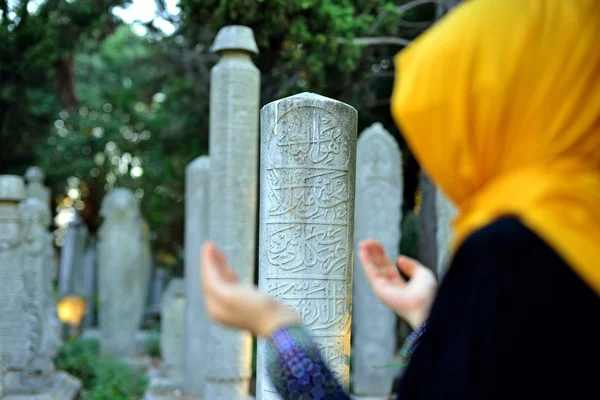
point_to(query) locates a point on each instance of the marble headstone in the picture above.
(196, 320)
(378, 213)
(445, 212)
(306, 221)
(71, 258)
(234, 105)
(172, 325)
(35, 186)
(427, 223)
(89, 281)
(38, 250)
(123, 273)
(20, 324)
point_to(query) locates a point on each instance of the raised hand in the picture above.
(410, 299)
(237, 305)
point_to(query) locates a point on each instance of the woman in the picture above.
(500, 103)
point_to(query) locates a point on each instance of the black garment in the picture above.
(511, 321)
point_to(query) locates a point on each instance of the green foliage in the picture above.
(152, 345)
(409, 245)
(77, 357)
(100, 106)
(102, 377)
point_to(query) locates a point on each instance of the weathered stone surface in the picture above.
(158, 283)
(58, 386)
(306, 228)
(378, 213)
(89, 281)
(445, 213)
(427, 224)
(71, 258)
(20, 325)
(38, 251)
(196, 232)
(173, 325)
(235, 37)
(35, 186)
(123, 273)
(234, 103)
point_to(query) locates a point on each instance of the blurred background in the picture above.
(109, 93)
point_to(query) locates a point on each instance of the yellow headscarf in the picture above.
(500, 102)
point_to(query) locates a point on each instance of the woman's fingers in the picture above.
(212, 256)
(407, 265)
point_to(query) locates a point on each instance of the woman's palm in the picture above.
(409, 299)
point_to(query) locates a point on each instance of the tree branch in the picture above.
(404, 8)
(378, 41)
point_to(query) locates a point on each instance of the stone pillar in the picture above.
(445, 212)
(123, 273)
(71, 257)
(159, 279)
(172, 326)
(378, 213)
(306, 221)
(196, 320)
(38, 252)
(20, 327)
(41, 254)
(89, 275)
(427, 223)
(234, 104)
(35, 186)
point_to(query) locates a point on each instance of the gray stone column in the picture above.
(35, 186)
(172, 326)
(196, 232)
(71, 257)
(379, 190)
(234, 104)
(38, 280)
(427, 223)
(306, 223)
(89, 273)
(445, 212)
(20, 326)
(41, 255)
(123, 272)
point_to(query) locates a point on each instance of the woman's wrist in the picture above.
(277, 316)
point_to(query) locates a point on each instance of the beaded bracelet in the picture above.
(411, 342)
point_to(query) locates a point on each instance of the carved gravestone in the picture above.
(172, 325)
(123, 273)
(35, 186)
(378, 214)
(89, 281)
(306, 221)
(427, 223)
(445, 213)
(38, 251)
(196, 232)
(234, 104)
(20, 326)
(71, 258)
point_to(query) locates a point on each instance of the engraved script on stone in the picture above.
(19, 320)
(38, 279)
(308, 156)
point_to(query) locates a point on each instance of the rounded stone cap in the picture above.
(235, 37)
(34, 174)
(12, 188)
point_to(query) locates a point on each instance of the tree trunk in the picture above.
(66, 84)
